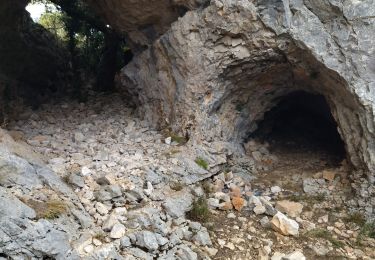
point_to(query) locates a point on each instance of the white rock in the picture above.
(231, 215)
(117, 231)
(85, 171)
(101, 208)
(284, 225)
(78, 137)
(89, 248)
(275, 189)
(297, 255)
(259, 209)
(168, 140)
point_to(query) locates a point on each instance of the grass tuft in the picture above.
(199, 211)
(368, 230)
(49, 210)
(356, 218)
(207, 187)
(177, 186)
(54, 209)
(201, 162)
(100, 236)
(324, 234)
(318, 198)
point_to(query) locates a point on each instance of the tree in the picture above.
(93, 45)
(54, 22)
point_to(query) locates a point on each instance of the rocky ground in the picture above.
(130, 192)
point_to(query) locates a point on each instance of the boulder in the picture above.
(284, 225)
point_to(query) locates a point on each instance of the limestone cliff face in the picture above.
(249, 53)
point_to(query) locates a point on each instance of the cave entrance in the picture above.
(301, 131)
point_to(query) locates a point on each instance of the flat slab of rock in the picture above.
(291, 208)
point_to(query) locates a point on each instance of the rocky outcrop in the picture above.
(217, 70)
(27, 190)
(143, 21)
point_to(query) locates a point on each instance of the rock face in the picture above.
(143, 21)
(24, 233)
(217, 70)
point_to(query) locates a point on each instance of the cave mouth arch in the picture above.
(301, 122)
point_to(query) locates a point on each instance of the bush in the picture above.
(199, 211)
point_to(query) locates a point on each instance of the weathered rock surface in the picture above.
(284, 225)
(23, 176)
(143, 21)
(248, 54)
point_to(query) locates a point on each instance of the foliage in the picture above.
(368, 230)
(201, 162)
(356, 218)
(50, 210)
(199, 211)
(54, 22)
(95, 49)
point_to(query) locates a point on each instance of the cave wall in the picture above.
(32, 62)
(217, 70)
(143, 21)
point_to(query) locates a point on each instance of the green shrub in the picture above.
(199, 211)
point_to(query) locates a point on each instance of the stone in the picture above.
(85, 171)
(78, 137)
(231, 215)
(162, 241)
(147, 239)
(270, 210)
(109, 222)
(101, 208)
(177, 205)
(238, 203)
(313, 186)
(106, 179)
(202, 238)
(168, 140)
(76, 180)
(213, 203)
(227, 205)
(275, 189)
(114, 190)
(125, 242)
(118, 231)
(329, 175)
(265, 222)
(291, 208)
(259, 209)
(297, 255)
(284, 225)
